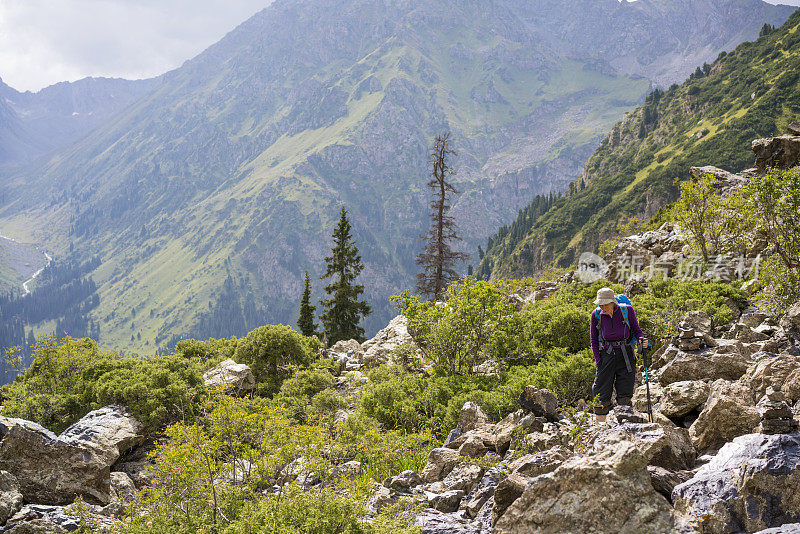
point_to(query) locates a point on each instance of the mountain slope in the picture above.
(32, 124)
(750, 93)
(237, 162)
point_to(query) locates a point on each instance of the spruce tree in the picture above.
(343, 310)
(438, 259)
(306, 321)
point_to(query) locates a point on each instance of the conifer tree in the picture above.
(343, 310)
(306, 320)
(438, 258)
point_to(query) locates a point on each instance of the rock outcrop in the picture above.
(750, 485)
(54, 470)
(591, 494)
(781, 152)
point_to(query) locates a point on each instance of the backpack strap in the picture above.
(596, 322)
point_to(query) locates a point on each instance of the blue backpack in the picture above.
(623, 302)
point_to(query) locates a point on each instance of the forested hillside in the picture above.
(751, 92)
(235, 166)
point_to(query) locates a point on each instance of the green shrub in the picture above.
(210, 352)
(271, 350)
(568, 376)
(66, 381)
(475, 324)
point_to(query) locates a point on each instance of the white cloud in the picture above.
(46, 41)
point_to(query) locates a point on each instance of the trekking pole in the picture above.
(644, 350)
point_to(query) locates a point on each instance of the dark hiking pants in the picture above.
(612, 374)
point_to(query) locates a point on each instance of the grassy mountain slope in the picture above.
(237, 162)
(711, 119)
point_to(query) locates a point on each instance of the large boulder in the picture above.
(471, 416)
(725, 361)
(609, 492)
(781, 152)
(751, 484)
(680, 398)
(791, 320)
(111, 431)
(728, 413)
(779, 371)
(665, 446)
(51, 470)
(230, 375)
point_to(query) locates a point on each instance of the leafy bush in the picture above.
(475, 324)
(66, 381)
(210, 352)
(568, 376)
(270, 351)
(560, 321)
(190, 492)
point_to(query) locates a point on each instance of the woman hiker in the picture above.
(613, 331)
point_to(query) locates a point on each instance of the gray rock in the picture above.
(726, 414)
(123, 489)
(680, 398)
(52, 471)
(750, 485)
(664, 480)
(403, 482)
(667, 447)
(610, 492)
(350, 471)
(779, 371)
(463, 477)
(440, 462)
(473, 447)
(478, 500)
(447, 501)
(794, 128)
(230, 375)
(781, 152)
(471, 416)
(533, 465)
(541, 402)
(42, 518)
(111, 431)
(10, 496)
(35, 526)
(378, 350)
(726, 361)
(509, 490)
(788, 528)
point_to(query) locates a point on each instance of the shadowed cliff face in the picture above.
(239, 160)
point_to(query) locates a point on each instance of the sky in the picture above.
(43, 42)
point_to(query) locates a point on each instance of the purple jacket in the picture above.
(613, 328)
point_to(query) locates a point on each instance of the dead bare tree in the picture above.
(438, 259)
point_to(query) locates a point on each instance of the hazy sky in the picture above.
(47, 41)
